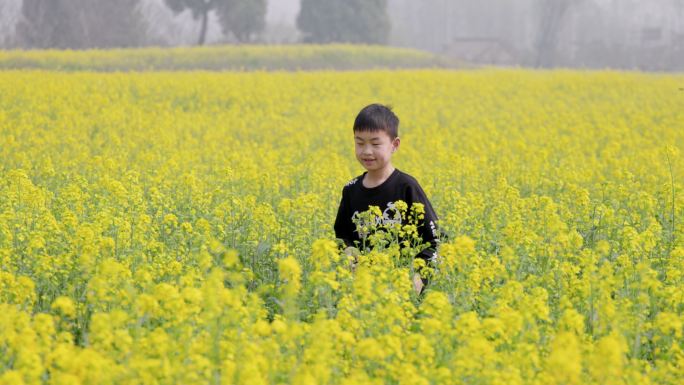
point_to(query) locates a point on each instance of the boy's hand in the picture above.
(352, 251)
(417, 283)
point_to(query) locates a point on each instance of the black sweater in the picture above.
(399, 186)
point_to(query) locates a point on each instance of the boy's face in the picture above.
(374, 149)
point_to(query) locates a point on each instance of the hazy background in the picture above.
(628, 34)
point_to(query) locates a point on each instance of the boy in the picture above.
(377, 138)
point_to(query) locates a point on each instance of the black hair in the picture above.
(377, 117)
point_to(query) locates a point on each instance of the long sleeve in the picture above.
(343, 225)
(428, 230)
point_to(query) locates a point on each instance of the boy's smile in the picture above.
(374, 151)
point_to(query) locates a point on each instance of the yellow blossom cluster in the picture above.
(176, 228)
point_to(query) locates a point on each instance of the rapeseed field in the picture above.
(176, 228)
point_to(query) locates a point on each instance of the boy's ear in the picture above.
(395, 143)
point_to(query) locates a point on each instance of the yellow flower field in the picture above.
(176, 228)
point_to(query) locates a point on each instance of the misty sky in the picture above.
(645, 34)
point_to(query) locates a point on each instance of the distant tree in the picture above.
(552, 15)
(200, 10)
(9, 16)
(349, 21)
(80, 24)
(243, 18)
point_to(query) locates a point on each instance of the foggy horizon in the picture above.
(629, 34)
